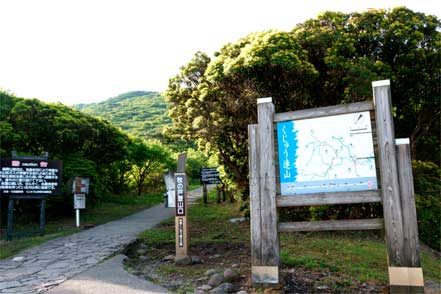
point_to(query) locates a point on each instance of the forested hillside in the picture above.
(142, 114)
(88, 146)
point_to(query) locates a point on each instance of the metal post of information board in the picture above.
(10, 219)
(42, 215)
(77, 211)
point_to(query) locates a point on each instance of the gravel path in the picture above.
(43, 267)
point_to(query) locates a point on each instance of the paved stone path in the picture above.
(43, 267)
(109, 277)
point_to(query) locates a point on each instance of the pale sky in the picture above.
(82, 51)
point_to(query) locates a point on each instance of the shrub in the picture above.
(74, 165)
(428, 202)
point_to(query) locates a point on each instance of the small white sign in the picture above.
(171, 198)
(79, 201)
(170, 185)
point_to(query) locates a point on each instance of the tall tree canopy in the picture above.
(325, 61)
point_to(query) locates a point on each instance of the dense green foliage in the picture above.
(87, 146)
(325, 61)
(427, 177)
(142, 114)
(149, 162)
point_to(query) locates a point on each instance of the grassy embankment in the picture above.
(113, 208)
(349, 259)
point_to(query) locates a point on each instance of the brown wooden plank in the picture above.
(324, 111)
(389, 174)
(255, 210)
(329, 198)
(332, 225)
(270, 239)
(182, 158)
(410, 226)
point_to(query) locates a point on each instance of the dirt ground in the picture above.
(220, 256)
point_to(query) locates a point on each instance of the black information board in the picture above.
(30, 177)
(210, 175)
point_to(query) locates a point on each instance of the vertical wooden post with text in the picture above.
(181, 208)
(265, 240)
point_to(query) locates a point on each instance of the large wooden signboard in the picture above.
(326, 156)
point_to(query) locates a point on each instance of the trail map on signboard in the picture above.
(326, 154)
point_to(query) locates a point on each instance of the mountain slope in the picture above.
(139, 113)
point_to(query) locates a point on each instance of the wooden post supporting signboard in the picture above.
(255, 208)
(411, 274)
(204, 193)
(390, 189)
(405, 273)
(181, 209)
(265, 268)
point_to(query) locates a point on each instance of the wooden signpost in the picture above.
(290, 187)
(181, 230)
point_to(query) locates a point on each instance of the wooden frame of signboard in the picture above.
(396, 193)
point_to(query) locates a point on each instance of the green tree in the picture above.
(325, 61)
(147, 159)
(88, 146)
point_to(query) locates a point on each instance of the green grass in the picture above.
(114, 208)
(209, 223)
(358, 255)
(347, 256)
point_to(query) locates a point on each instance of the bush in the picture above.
(428, 202)
(74, 165)
(195, 161)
